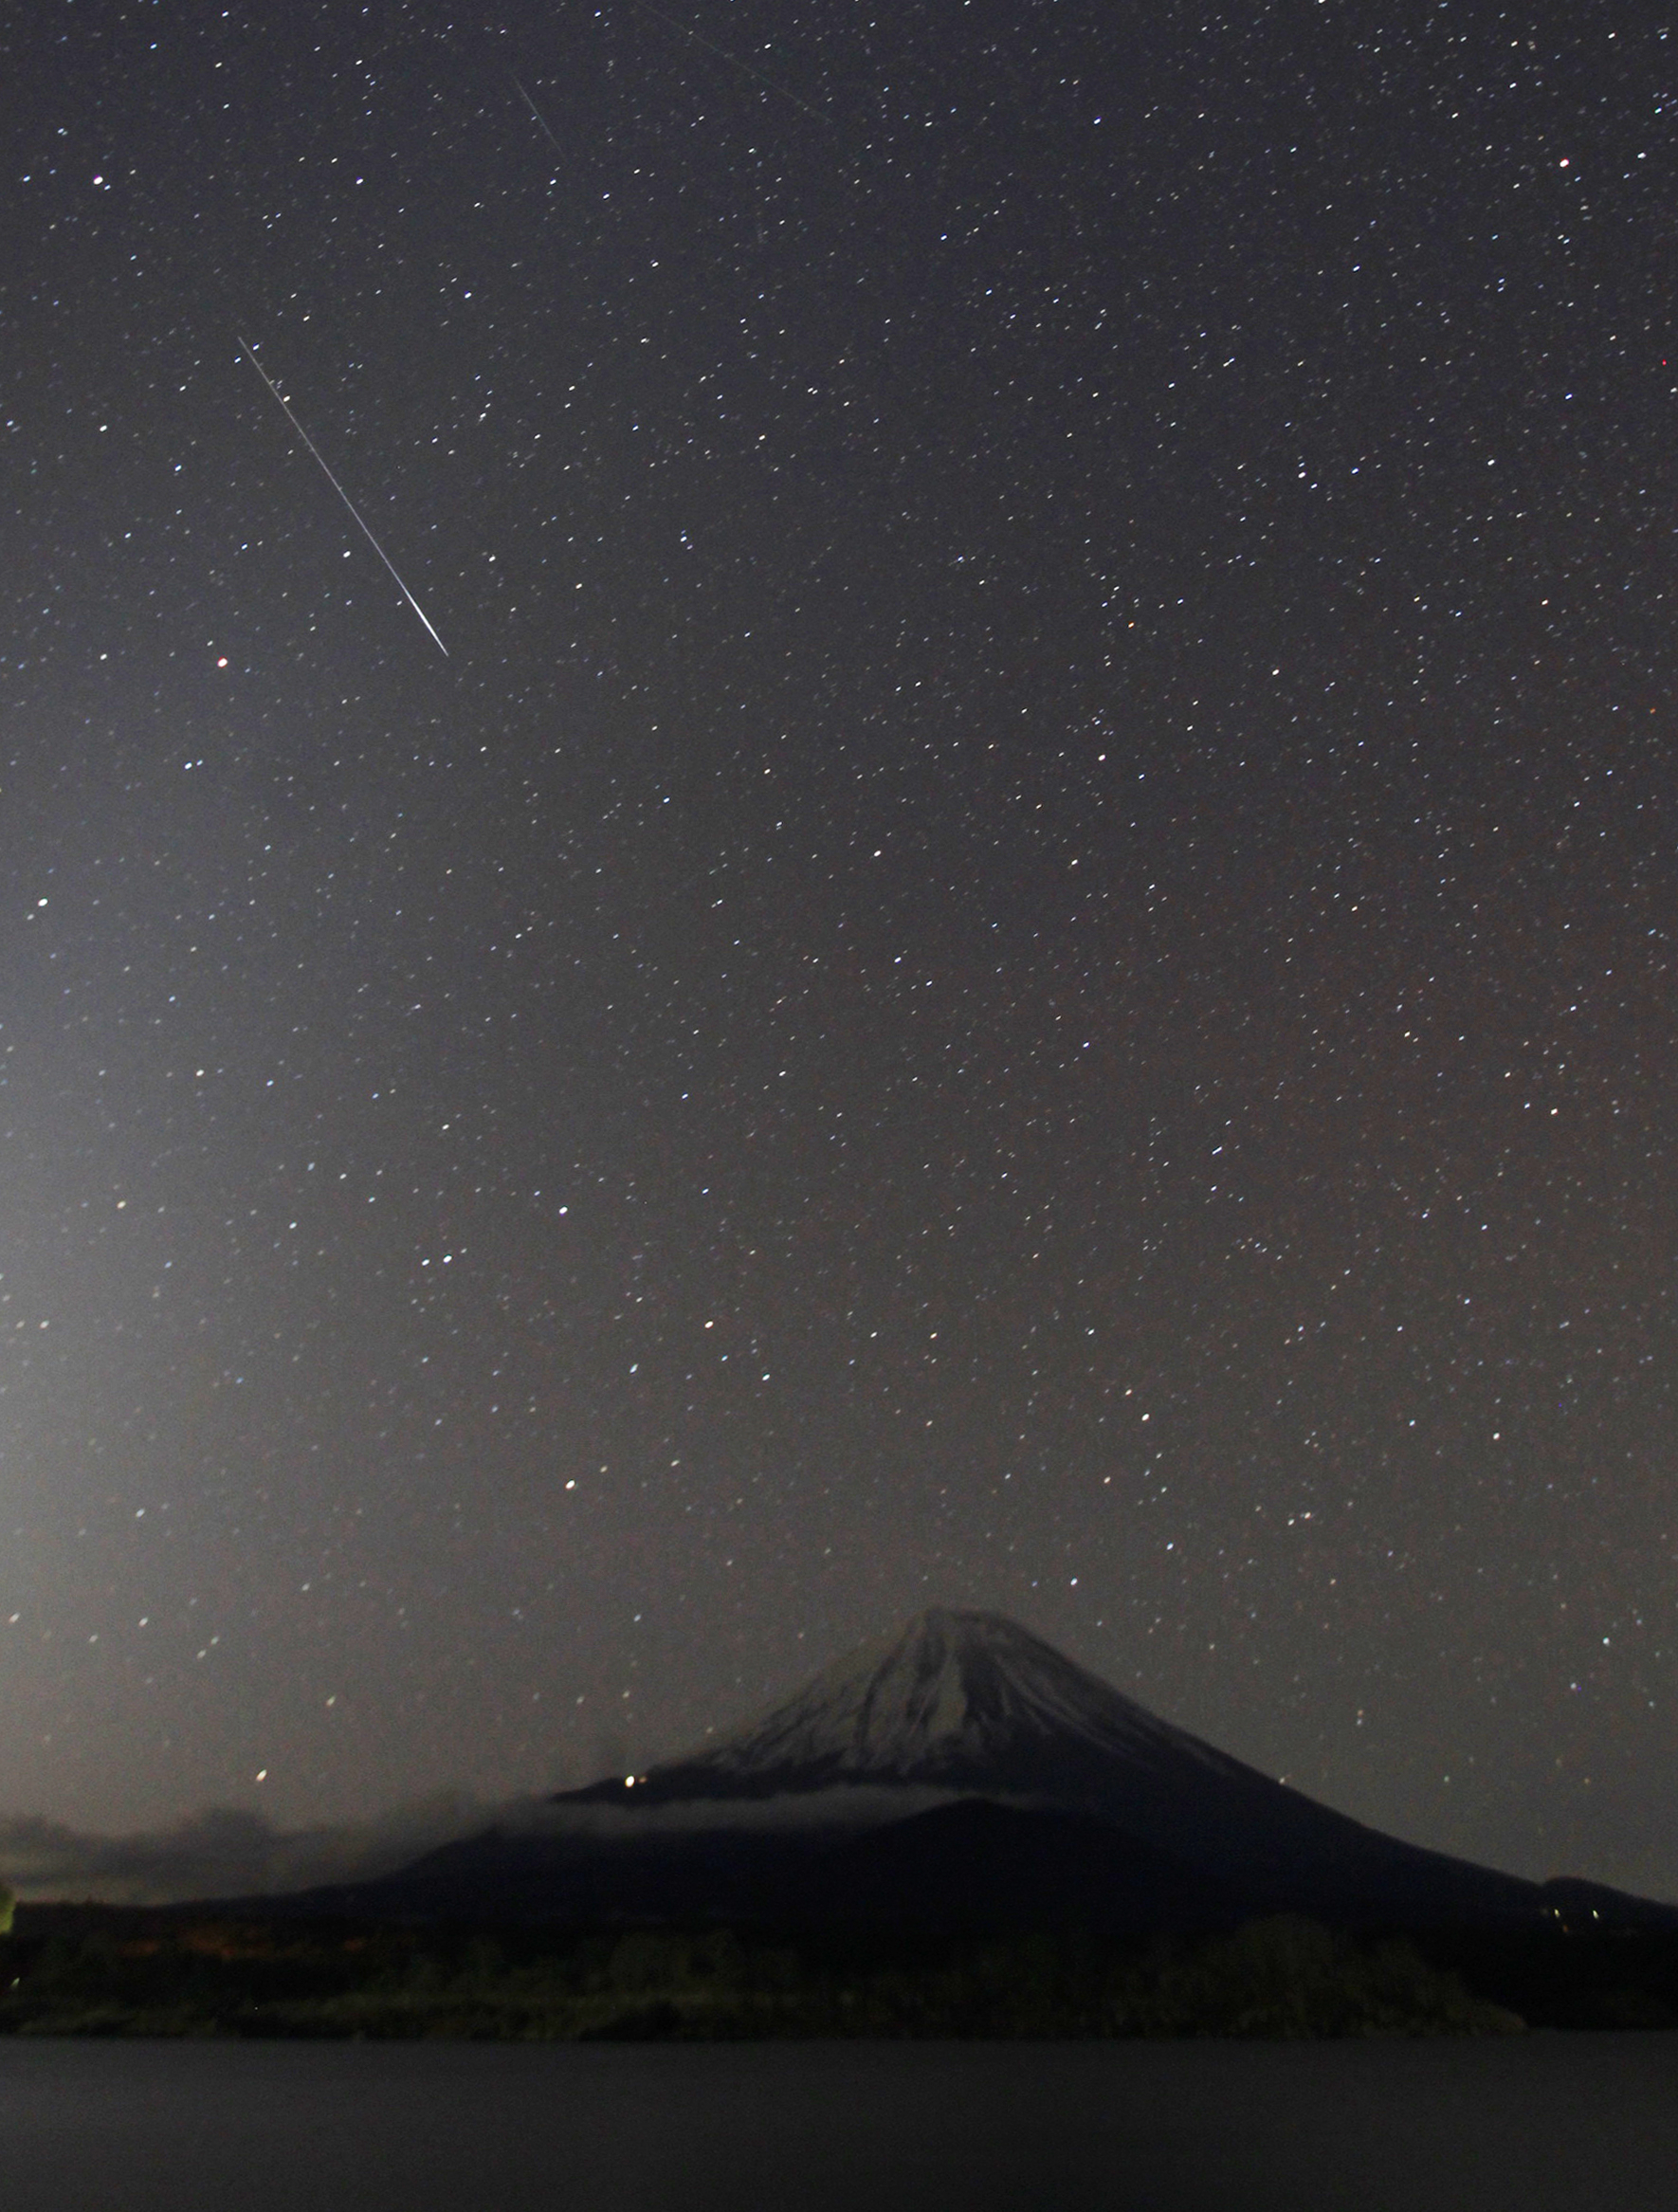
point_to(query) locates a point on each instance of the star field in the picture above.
(1021, 954)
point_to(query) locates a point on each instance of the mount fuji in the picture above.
(964, 1771)
(959, 1701)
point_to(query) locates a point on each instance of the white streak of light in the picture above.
(342, 495)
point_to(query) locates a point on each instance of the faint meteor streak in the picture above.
(735, 62)
(342, 494)
(541, 119)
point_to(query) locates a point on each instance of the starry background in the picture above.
(1021, 957)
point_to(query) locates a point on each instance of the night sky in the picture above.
(1021, 953)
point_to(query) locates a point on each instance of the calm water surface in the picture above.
(1533, 2125)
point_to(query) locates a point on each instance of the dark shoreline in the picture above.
(236, 1971)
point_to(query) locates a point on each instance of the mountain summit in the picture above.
(960, 1701)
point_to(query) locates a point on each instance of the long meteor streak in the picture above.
(541, 118)
(342, 495)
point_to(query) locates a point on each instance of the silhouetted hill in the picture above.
(961, 1772)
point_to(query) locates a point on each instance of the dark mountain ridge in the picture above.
(962, 1771)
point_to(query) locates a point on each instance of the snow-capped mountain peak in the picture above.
(953, 1698)
(948, 1688)
(965, 1705)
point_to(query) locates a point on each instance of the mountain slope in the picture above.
(957, 1700)
(856, 1797)
(973, 1703)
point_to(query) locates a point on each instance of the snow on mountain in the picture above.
(963, 1767)
(957, 1699)
(973, 1703)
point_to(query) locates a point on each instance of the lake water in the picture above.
(1539, 2124)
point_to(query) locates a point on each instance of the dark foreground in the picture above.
(1544, 2123)
(93, 1971)
(200, 1971)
